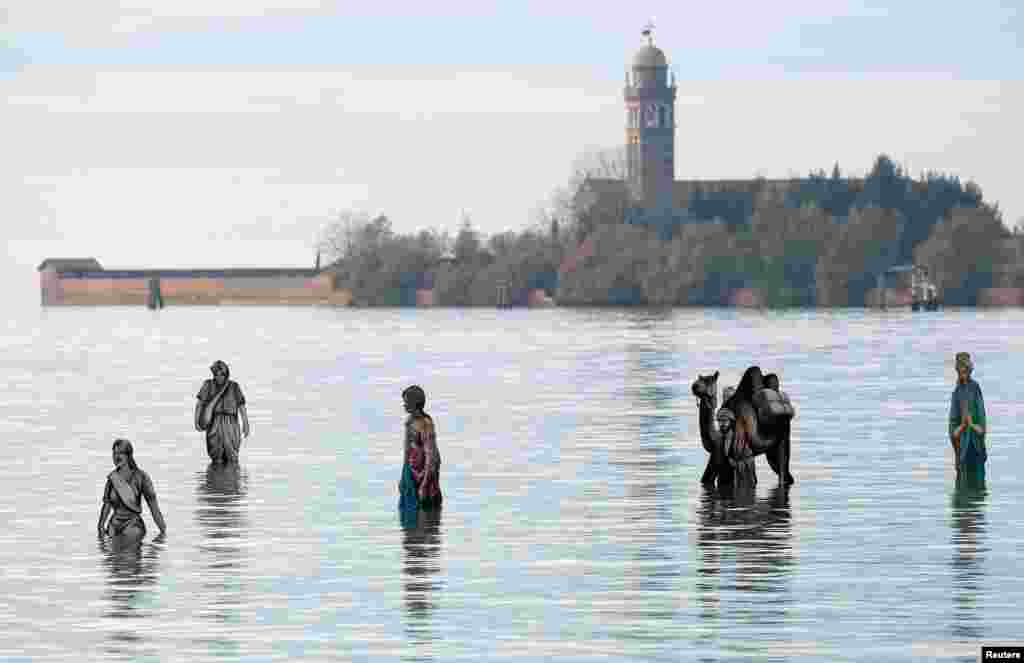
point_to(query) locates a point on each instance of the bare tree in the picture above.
(602, 163)
(863, 247)
(338, 238)
(578, 206)
(468, 242)
(967, 251)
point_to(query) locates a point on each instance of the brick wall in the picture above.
(425, 298)
(106, 291)
(50, 289)
(101, 290)
(1001, 297)
(538, 298)
(894, 297)
(746, 298)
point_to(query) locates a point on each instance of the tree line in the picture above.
(383, 268)
(822, 244)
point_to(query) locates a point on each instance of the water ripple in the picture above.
(574, 525)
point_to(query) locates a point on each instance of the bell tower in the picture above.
(650, 98)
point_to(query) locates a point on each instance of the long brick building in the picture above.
(83, 281)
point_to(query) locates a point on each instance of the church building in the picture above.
(649, 194)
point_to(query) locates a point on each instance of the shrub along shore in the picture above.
(823, 244)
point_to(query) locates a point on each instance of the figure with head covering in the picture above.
(741, 435)
(126, 485)
(219, 406)
(967, 419)
(740, 458)
(739, 402)
(769, 438)
(420, 485)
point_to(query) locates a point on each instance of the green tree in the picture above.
(965, 252)
(866, 245)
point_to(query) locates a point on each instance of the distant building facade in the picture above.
(649, 194)
(83, 281)
(650, 98)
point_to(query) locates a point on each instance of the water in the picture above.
(574, 524)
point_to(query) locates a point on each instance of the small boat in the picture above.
(923, 293)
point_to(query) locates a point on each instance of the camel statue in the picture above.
(765, 433)
(705, 388)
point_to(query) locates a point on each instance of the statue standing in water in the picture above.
(740, 457)
(122, 497)
(219, 405)
(762, 426)
(967, 420)
(420, 485)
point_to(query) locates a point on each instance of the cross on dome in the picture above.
(648, 32)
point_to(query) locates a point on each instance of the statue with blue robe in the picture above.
(967, 419)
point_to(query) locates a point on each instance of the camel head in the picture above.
(705, 388)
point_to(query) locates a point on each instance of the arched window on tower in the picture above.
(662, 116)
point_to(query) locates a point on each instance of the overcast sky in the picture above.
(181, 133)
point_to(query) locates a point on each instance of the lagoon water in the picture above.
(574, 524)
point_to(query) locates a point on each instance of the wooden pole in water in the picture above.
(154, 300)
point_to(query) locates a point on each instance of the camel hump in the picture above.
(773, 406)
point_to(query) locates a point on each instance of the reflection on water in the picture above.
(969, 548)
(649, 465)
(583, 535)
(750, 538)
(220, 514)
(652, 569)
(132, 568)
(421, 551)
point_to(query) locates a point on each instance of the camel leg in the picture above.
(772, 456)
(778, 460)
(725, 471)
(784, 454)
(710, 473)
(778, 457)
(783, 459)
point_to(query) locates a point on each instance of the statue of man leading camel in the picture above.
(753, 420)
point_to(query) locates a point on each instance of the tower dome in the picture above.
(649, 55)
(650, 126)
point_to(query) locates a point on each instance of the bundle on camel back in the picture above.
(762, 426)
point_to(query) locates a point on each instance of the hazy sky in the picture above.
(181, 133)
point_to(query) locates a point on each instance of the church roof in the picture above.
(71, 264)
